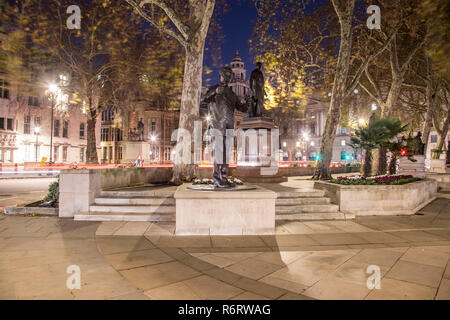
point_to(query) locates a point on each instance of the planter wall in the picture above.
(78, 188)
(363, 200)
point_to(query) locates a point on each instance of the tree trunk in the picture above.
(393, 164)
(91, 150)
(190, 104)
(344, 11)
(442, 135)
(367, 166)
(382, 161)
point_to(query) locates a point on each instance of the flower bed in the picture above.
(376, 180)
(210, 181)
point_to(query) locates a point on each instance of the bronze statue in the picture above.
(222, 102)
(140, 130)
(257, 86)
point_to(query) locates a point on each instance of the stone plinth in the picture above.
(134, 148)
(438, 166)
(257, 153)
(224, 212)
(416, 169)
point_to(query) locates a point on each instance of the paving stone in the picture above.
(289, 240)
(381, 256)
(392, 289)
(237, 241)
(333, 288)
(284, 284)
(132, 229)
(121, 261)
(249, 296)
(260, 288)
(338, 238)
(417, 235)
(253, 269)
(109, 245)
(425, 256)
(417, 273)
(175, 291)
(159, 275)
(209, 288)
(444, 290)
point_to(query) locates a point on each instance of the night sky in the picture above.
(237, 29)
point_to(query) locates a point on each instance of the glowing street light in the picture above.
(361, 121)
(305, 136)
(153, 138)
(54, 89)
(208, 118)
(374, 106)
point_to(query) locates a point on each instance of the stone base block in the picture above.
(224, 213)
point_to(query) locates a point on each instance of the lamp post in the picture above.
(37, 130)
(53, 88)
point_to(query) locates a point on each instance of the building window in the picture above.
(81, 154)
(153, 125)
(55, 153)
(26, 124)
(312, 143)
(343, 130)
(119, 134)
(64, 154)
(313, 115)
(105, 153)
(119, 153)
(81, 130)
(167, 153)
(104, 134)
(297, 144)
(312, 129)
(4, 89)
(434, 138)
(284, 143)
(27, 152)
(9, 124)
(33, 101)
(65, 129)
(37, 122)
(56, 128)
(342, 142)
(2, 123)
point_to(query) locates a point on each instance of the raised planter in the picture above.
(365, 200)
(78, 188)
(32, 210)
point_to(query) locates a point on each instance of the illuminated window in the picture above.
(4, 89)
(342, 142)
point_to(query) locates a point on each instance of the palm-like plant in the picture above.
(377, 133)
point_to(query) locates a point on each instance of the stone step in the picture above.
(306, 208)
(137, 194)
(148, 209)
(299, 201)
(135, 201)
(313, 216)
(313, 193)
(114, 216)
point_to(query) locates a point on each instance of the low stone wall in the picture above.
(78, 188)
(443, 179)
(287, 172)
(363, 200)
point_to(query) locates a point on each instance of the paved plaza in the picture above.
(303, 260)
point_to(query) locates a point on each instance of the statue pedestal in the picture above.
(238, 212)
(255, 161)
(416, 169)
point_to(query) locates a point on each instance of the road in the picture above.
(22, 191)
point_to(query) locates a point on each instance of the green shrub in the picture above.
(53, 192)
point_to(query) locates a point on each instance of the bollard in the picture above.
(16, 168)
(1, 167)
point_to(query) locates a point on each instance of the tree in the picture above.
(189, 27)
(93, 55)
(378, 132)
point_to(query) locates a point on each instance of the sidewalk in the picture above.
(303, 260)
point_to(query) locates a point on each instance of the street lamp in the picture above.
(361, 122)
(53, 88)
(37, 130)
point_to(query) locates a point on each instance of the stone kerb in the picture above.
(224, 212)
(363, 200)
(78, 188)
